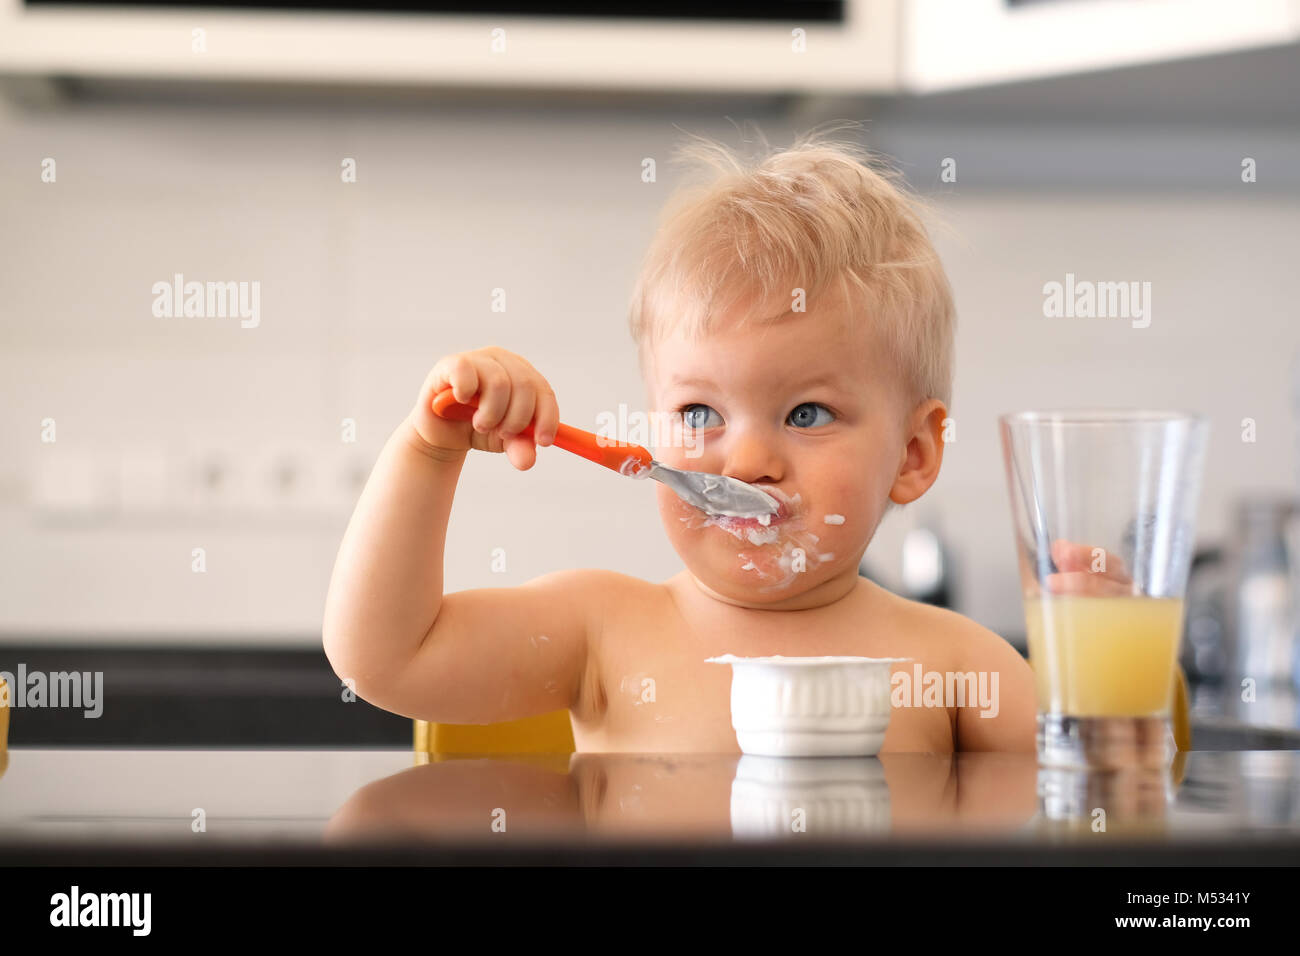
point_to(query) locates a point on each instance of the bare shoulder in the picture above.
(588, 582)
(601, 594)
(963, 642)
(1005, 720)
(595, 585)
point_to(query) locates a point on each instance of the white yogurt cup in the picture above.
(810, 706)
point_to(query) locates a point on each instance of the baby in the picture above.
(794, 321)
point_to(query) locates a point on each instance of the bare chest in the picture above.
(649, 687)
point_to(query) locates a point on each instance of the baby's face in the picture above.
(804, 408)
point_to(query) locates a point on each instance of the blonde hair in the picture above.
(822, 216)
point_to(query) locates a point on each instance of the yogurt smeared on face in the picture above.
(785, 547)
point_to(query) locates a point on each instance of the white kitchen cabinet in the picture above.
(949, 44)
(858, 53)
(874, 47)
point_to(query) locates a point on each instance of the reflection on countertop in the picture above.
(1275, 705)
(1256, 717)
(696, 796)
(201, 800)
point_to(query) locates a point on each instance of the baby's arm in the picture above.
(497, 654)
(473, 657)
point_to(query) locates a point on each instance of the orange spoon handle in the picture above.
(619, 456)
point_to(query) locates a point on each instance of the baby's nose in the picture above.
(753, 460)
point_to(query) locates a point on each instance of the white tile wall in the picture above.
(364, 286)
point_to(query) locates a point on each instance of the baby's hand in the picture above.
(1083, 569)
(510, 395)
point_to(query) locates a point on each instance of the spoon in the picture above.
(715, 494)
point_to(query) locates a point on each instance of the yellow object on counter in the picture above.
(1180, 717)
(4, 727)
(545, 734)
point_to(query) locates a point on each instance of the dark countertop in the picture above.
(1236, 800)
(79, 807)
(289, 697)
(190, 697)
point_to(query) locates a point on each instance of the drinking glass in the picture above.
(1104, 507)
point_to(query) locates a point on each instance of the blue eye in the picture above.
(805, 416)
(692, 417)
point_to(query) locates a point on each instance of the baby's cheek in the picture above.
(847, 522)
(849, 503)
(673, 512)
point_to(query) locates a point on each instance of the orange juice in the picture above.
(1103, 656)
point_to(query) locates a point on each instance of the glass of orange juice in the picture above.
(1104, 508)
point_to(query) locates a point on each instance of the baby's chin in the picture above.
(755, 564)
(749, 591)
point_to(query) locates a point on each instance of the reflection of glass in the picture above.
(1129, 802)
(1104, 504)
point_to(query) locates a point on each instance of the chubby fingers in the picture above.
(509, 396)
(1084, 569)
(1085, 582)
(1069, 556)
(457, 371)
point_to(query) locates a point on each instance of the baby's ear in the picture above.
(922, 453)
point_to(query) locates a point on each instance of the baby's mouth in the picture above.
(760, 530)
(767, 521)
(784, 505)
(753, 526)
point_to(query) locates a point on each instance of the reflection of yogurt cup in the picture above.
(810, 706)
(818, 796)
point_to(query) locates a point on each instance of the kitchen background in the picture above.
(176, 434)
